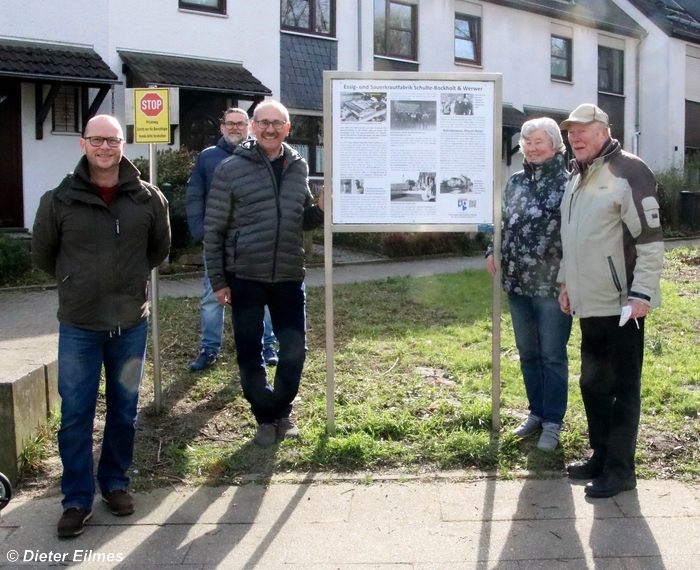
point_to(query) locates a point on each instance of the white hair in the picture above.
(547, 126)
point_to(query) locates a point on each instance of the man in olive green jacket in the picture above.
(99, 233)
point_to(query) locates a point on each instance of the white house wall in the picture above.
(662, 94)
(516, 43)
(249, 34)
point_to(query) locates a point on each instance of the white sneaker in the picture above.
(529, 426)
(550, 437)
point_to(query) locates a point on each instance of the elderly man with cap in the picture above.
(612, 259)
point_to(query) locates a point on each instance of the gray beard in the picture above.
(234, 141)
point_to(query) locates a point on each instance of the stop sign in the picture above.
(152, 104)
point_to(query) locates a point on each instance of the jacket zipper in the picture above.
(279, 211)
(118, 309)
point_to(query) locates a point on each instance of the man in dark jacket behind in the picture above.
(234, 130)
(99, 233)
(258, 206)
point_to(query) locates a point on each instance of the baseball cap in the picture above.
(586, 113)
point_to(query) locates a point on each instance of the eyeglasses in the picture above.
(277, 124)
(114, 142)
(238, 125)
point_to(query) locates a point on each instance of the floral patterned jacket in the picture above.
(531, 239)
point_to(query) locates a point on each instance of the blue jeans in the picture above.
(269, 337)
(211, 317)
(81, 354)
(541, 333)
(287, 304)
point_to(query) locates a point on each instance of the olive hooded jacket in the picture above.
(101, 255)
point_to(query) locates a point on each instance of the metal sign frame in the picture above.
(330, 227)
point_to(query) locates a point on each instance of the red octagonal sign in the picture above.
(152, 104)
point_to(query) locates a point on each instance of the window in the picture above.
(310, 16)
(306, 137)
(611, 71)
(395, 29)
(467, 39)
(66, 111)
(214, 6)
(560, 58)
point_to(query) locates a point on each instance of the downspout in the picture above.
(359, 35)
(637, 95)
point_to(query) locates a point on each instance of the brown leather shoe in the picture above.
(118, 502)
(72, 522)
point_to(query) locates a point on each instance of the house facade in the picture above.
(669, 79)
(61, 63)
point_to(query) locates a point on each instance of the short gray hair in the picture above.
(547, 126)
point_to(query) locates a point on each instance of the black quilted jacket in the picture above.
(253, 228)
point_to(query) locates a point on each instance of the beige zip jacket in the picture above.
(612, 241)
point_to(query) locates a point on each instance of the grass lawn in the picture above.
(413, 380)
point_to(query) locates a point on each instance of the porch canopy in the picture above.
(57, 65)
(145, 69)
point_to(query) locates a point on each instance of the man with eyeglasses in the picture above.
(234, 130)
(99, 233)
(258, 207)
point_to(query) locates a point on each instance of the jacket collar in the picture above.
(252, 150)
(550, 166)
(223, 144)
(78, 186)
(610, 148)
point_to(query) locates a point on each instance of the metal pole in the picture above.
(330, 329)
(155, 337)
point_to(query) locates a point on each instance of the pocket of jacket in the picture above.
(614, 275)
(651, 212)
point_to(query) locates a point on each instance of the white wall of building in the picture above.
(248, 34)
(662, 94)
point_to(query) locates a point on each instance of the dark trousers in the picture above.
(287, 305)
(611, 379)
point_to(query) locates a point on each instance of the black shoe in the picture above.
(72, 522)
(118, 502)
(266, 435)
(287, 429)
(585, 469)
(609, 485)
(205, 359)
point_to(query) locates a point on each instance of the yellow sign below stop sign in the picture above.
(151, 116)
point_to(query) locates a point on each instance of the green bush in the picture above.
(15, 259)
(174, 167)
(672, 182)
(413, 244)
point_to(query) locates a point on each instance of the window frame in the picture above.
(609, 70)
(313, 142)
(476, 40)
(568, 59)
(312, 21)
(195, 7)
(413, 57)
(65, 94)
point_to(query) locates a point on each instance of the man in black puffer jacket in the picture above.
(258, 206)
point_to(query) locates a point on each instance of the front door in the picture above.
(11, 192)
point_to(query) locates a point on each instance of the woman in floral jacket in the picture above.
(530, 255)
